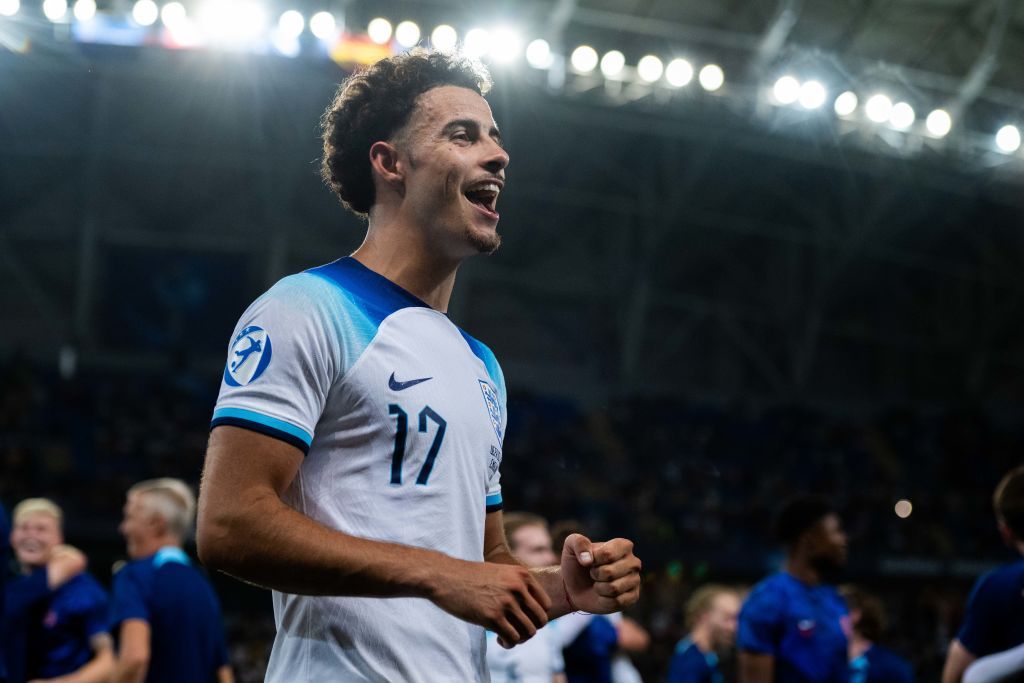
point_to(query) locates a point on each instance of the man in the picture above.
(711, 615)
(994, 618)
(358, 457)
(869, 661)
(55, 612)
(167, 616)
(538, 660)
(793, 627)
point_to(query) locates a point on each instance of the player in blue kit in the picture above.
(356, 455)
(711, 615)
(869, 661)
(55, 612)
(794, 625)
(994, 618)
(164, 610)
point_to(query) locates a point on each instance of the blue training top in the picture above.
(691, 665)
(176, 600)
(881, 665)
(60, 634)
(803, 627)
(994, 618)
(588, 659)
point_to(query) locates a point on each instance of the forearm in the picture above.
(267, 543)
(549, 578)
(97, 670)
(131, 671)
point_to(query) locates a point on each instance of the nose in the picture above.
(497, 158)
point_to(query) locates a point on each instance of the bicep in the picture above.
(134, 645)
(241, 463)
(756, 667)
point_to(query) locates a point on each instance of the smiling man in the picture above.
(355, 455)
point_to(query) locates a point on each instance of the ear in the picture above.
(1008, 536)
(384, 162)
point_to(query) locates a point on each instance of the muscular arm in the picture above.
(957, 660)
(133, 657)
(245, 529)
(756, 667)
(99, 669)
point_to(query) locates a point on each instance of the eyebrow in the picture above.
(470, 123)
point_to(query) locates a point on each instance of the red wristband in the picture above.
(568, 600)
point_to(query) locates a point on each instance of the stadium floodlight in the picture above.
(173, 16)
(650, 68)
(583, 59)
(477, 43)
(812, 95)
(711, 77)
(678, 73)
(84, 10)
(230, 22)
(506, 45)
(939, 123)
(612, 63)
(902, 116)
(878, 108)
(407, 34)
(903, 508)
(291, 24)
(538, 54)
(1008, 139)
(145, 12)
(55, 9)
(786, 90)
(444, 38)
(379, 30)
(323, 26)
(8, 8)
(846, 103)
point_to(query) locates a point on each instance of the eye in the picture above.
(461, 135)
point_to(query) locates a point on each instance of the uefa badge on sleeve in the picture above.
(249, 356)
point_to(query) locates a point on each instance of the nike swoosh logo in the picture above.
(395, 385)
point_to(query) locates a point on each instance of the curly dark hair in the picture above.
(373, 104)
(800, 514)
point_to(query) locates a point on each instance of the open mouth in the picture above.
(485, 197)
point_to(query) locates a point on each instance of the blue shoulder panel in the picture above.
(490, 362)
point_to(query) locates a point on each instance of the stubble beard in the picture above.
(483, 243)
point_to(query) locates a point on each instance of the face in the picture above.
(454, 166)
(532, 545)
(722, 620)
(827, 544)
(34, 537)
(137, 527)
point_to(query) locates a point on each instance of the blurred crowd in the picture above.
(694, 484)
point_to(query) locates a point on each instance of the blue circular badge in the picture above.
(249, 356)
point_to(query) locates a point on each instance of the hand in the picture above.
(600, 577)
(66, 562)
(504, 598)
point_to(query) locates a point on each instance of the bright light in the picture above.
(902, 116)
(878, 108)
(228, 21)
(173, 15)
(846, 103)
(506, 45)
(538, 54)
(678, 73)
(407, 34)
(291, 24)
(903, 508)
(145, 12)
(55, 9)
(8, 8)
(323, 26)
(287, 46)
(650, 68)
(85, 10)
(477, 43)
(786, 90)
(379, 30)
(939, 123)
(812, 95)
(711, 77)
(583, 59)
(444, 38)
(612, 63)
(1008, 139)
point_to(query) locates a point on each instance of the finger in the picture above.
(536, 602)
(622, 586)
(579, 546)
(612, 551)
(522, 623)
(508, 636)
(610, 572)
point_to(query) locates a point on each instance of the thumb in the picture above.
(580, 547)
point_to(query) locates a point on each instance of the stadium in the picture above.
(750, 252)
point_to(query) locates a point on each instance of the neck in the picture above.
(154, 544)
(858, 645)
(701, 637)
(405, 256)
(799, 567)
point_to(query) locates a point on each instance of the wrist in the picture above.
(432, 575)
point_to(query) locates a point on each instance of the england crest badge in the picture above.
(493, 406)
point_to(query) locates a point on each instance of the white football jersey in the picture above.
(535, 661)
(401, 415)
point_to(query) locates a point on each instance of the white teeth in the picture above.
(486, 187)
